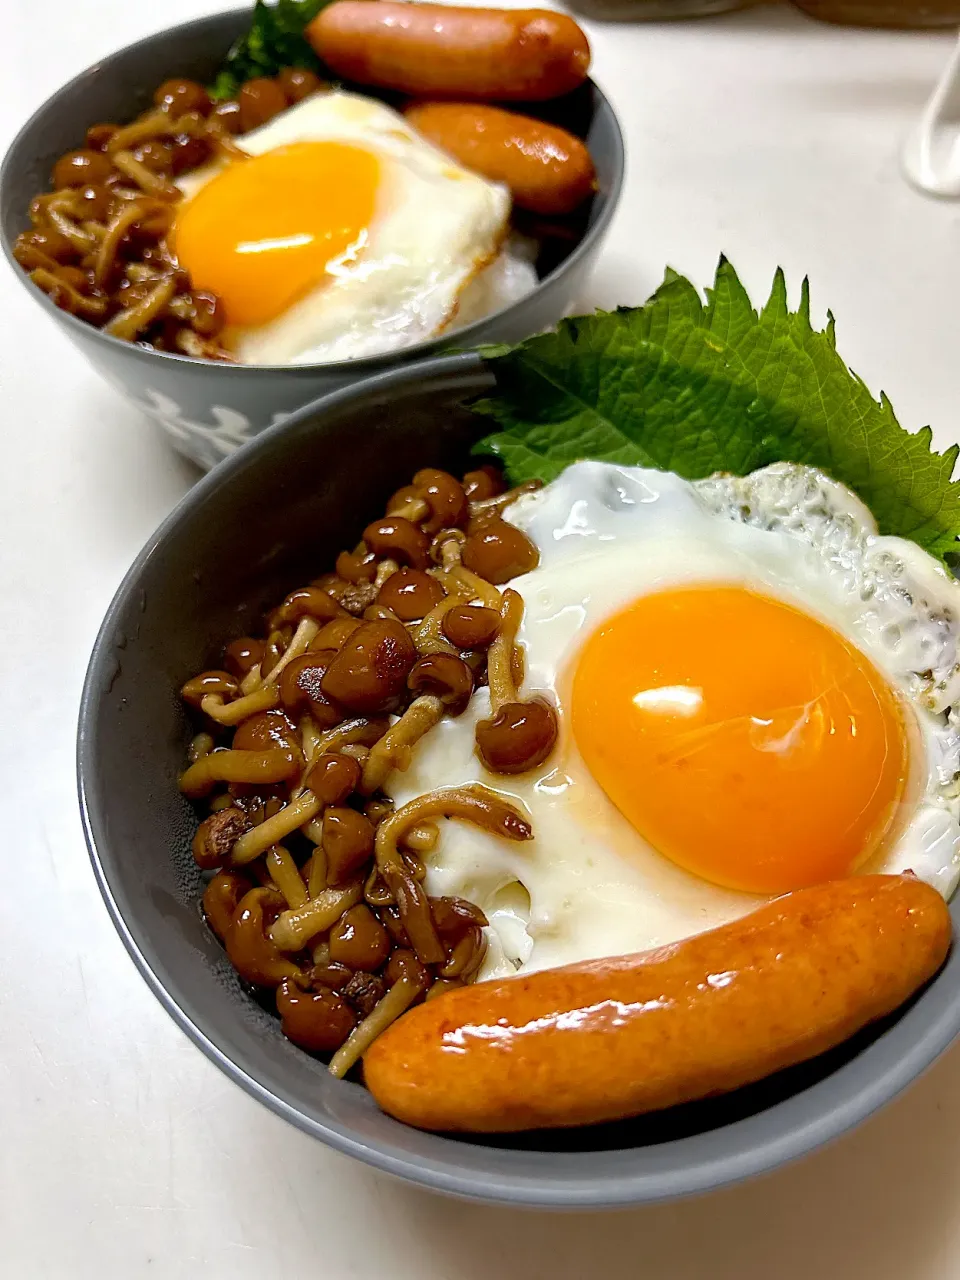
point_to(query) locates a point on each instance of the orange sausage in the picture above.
(438, 51)
(548, 170)
(614, 1038)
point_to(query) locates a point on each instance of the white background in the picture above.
(122, 1151)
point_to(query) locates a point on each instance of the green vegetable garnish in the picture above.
(694, 387)
(275, 40)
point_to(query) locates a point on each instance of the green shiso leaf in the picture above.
(697, 387)
(275, 40)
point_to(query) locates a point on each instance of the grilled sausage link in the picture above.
(547, 169)
(614, 1038)
(441, 51)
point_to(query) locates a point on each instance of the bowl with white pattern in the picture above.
(207, 408)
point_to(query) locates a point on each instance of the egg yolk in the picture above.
(262, 232)
(743, 739)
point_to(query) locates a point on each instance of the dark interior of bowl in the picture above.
(122, 85)
(275, 514)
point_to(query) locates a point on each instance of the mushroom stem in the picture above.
(397, 1000)
(473, 803)
(393, 749)
(273, 830)
(293, 929)
(503, 688)
(264, 699)
(307, 628)
(259, 768)
(500, 502)
(284, 874)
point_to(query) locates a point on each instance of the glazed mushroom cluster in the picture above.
(99, 241)
(317, 885)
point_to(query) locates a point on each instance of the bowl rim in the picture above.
(356, 368)
(748, 1147)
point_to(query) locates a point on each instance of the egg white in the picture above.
(588, 885)
(435, 228)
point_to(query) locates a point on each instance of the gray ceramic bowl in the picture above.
(209, 409)
(271, 516)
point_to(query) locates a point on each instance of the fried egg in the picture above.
(756, 692)
(344, 234)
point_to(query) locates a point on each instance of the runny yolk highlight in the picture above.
(743, 739)
(262, 232)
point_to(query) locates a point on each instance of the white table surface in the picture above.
(123, 1152)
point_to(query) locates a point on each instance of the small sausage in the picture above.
(547, 169)
(441, 51)
(608, 1039)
